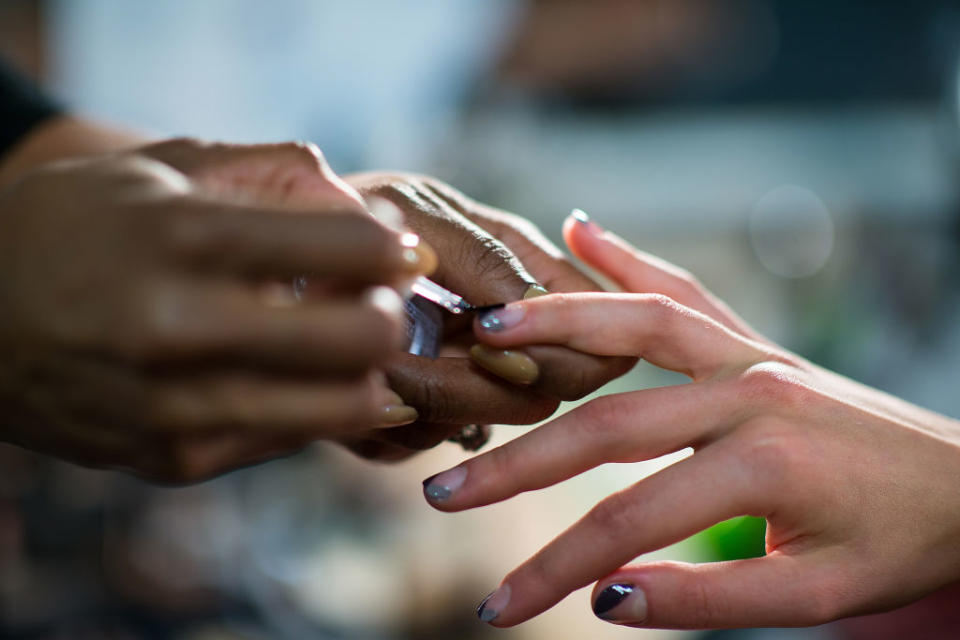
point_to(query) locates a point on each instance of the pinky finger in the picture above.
(777, 590)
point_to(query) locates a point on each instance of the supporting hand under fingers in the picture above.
(489, 257)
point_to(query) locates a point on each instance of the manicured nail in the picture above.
(581, 216)
(443, 485)
(621, 602)
(393, 412)
(501, 319)
(494, 604)
(515, 366)
(397, 415)
(534, 291)
(417, 255)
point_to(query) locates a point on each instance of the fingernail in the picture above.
(515, 366)
(443, 485)
(534, 291)
(397, 415)
(393, 411)
(501, 319)
(494, 604)
(581, 216)
(621, 602)
(417, 255)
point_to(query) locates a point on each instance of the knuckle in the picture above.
(155, 326)
(824, 604)
(661, 308)
(776, 453)
(614, 516)
(601, 417)
(490, 258)
(774, 384)
(435, 401)
(309, 155)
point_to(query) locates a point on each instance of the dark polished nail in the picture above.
(610, 598)
(429, 480)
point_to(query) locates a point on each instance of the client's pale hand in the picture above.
(859, 489)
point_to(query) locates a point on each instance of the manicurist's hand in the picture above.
(488, 256)
(148, 319)
(861, 491)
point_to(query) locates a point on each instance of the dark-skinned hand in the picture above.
(142, 325)
(488, 256)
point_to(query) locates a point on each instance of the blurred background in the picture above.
(800, 157)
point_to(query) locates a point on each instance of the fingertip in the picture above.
(581, 234)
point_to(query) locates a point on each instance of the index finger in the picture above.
(278, 242)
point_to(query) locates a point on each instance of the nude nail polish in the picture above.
(417, 255)
(534, 291)
(514, 366)
(393, 411)
(397, 415)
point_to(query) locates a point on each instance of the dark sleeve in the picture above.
(22, 107)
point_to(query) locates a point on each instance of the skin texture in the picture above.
(489, 256)
(859, 489)
(149, 323)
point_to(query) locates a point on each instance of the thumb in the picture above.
(774, 591)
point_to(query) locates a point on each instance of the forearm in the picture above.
(59, 138)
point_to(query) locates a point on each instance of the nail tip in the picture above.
(485, 614)
(522, 370)
(426, 483)
(535, 291)
(580, 216)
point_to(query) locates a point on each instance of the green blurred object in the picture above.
(736, 539)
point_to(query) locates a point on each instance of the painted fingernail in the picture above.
(393, 412)
(581, 217)
(417, 255)
(534, 291)
(440, 487)
(621, 602)
(494, 604)
(397, 415)
(501, 319)
(514, 366)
